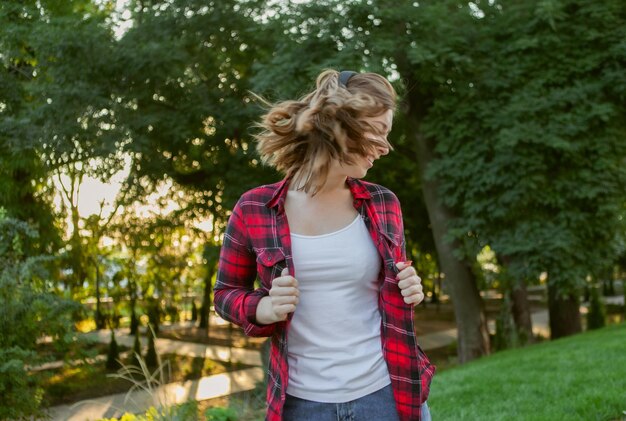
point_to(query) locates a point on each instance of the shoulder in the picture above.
(380, 193)
(261, 193)
(257, 198)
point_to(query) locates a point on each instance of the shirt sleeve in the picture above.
(402, 247)
(400, 251)
(236, 300)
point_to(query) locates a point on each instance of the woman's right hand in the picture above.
(283, 299)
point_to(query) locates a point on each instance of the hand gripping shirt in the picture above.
(257, 243)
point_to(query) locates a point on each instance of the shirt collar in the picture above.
(357, 188)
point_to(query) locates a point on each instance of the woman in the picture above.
(336, 293)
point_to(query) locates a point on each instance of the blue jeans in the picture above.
(379, 406)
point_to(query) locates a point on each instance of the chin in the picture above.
(359, 174)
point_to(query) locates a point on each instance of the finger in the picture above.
(404, 273)
(403, 265)
(415, 289)
(285, 281)
(284, 292)
(282, 300)
(409, 282)
(285, 272)
(284, 309)
(414, 299)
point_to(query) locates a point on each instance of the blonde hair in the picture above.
(303, 137)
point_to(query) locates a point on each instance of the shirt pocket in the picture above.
(270, 263)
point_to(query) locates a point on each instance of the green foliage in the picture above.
(220, 414)
(21, 394)
(530, 138)
(184, 95)
(596, 317)
(28, 312)
(187, 411)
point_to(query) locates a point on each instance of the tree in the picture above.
(531, 144)
(151, 359)
(185, 68)
(136, 352)
(22, 174)
(416, 43)
(54, 56)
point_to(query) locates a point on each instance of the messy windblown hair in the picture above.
(301, 138)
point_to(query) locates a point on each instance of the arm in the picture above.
(409, 282)
(236, 300)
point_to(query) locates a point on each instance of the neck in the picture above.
(334, 184)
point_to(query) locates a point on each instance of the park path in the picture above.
(446, 337)
(214, 386)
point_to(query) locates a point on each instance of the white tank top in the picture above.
(334, 344)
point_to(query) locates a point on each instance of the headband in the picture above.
(344, 77)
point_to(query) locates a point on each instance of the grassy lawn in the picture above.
(582, 377)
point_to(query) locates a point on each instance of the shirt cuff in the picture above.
(251, 327)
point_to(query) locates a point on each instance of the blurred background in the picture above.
(126, 138)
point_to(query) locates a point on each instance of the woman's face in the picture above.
(364, 163)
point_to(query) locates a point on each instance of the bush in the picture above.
(28, 310)
(113, 357)
(220, 414)
(187, 411)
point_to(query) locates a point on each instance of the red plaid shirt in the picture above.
(257, 242)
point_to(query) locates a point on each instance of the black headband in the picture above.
(345, 76)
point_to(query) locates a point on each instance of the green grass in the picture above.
(582, 377)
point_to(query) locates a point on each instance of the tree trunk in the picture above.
(134, 321)
(98, 316)
(473, 336)
(564, 313)
(521, 312)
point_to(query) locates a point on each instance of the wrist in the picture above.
(264, 313)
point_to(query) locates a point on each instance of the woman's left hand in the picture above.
(409, 283)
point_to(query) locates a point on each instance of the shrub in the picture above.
(220, 414)
(187, 411)
(113, 357)
(28, 310)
